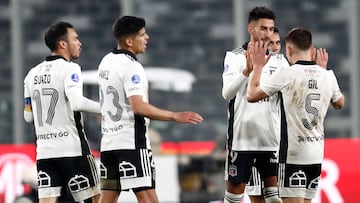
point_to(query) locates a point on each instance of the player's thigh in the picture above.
(147, 196)
(293, 200)
(109, 196)
(48, 200)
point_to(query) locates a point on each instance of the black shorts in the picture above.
(127, 169)
(238, 167)
(299, 180)
(78, 174)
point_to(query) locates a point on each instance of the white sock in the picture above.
(233, 198)
(271, 195)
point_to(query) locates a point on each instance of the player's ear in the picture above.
(61, 44)
(250, 28)
(289, 52)
(129, 41)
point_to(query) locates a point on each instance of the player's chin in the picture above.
(76, 56)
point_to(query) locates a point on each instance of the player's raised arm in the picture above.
(259, 59)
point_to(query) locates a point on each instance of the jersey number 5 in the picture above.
(311, 110)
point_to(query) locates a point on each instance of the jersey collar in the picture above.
(54, 57)
(305, 62)
(126, 52)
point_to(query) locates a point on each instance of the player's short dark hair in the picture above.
(127, 25)
(55, 33)
(276, 30)
(260, 12)
(300, 37)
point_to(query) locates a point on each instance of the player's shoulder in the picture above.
(235, 54)
(34, 69)
(64, 65)
(238, 50)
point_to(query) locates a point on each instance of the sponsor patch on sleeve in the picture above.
(135, 79)
(75, 77)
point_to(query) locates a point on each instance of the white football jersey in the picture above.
(251, 126)
(122, 76)
(307, 90)
(59, 129)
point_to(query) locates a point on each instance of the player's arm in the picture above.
(259, 59)
(80, 103)
(73, 85)
(140, 107)
(233, 80)
(338, 99)
(28, 114)
(339, 104)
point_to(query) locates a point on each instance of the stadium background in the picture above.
(192, 35)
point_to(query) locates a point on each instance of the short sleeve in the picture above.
(72, 77)
(26, 88)
(134, 80)
(336, 92)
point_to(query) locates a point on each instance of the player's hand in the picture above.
(322, 57)
(187, 117)
(249, 65)
(258, 55)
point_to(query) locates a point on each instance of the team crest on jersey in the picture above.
(232, 170)
(135, 79)
(75, 77)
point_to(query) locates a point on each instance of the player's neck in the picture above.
(65, 56)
